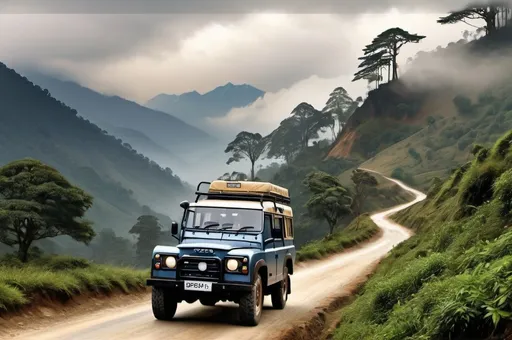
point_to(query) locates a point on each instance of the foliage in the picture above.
(488, 13)
(247, 145)
(364, 184)
(452, 279)
(463, 104)
(148, 231)
(340, 107)
(360, 229)
(108, 248)
(234, 176)
(329, 201)
(383, 52)
(38, 202)
(61, 278)
(295, 132)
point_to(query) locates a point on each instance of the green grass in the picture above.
(452, 280)
(61, 277)
(359, 230)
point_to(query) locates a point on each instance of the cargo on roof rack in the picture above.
(246, 190)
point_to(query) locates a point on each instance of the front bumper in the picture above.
(178, 285)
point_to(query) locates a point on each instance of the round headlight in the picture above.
(170, 262)
(232, 265)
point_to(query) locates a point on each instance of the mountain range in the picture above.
(194, 108)
(124, 183)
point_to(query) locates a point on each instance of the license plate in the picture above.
(198, 286)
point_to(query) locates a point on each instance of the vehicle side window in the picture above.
(267, 223)
(278, 223)
(288, 228)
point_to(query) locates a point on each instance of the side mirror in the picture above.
(174, 228)
(184, 205)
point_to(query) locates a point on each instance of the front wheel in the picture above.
(251, 304)
(164, 306)
(280, 291)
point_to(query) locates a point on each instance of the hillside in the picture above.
(195, 108)
(292, 176)
(118, 115)
(452, 279)
(425, 124)
(34, 124)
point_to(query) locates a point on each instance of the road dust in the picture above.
(313, 285)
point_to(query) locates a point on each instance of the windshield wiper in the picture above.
(243, 228)
(226, 228)
(211, 225)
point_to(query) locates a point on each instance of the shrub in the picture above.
(414, 154)
(463, 104)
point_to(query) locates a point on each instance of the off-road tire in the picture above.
(251, 304)
(208, 302)
(279, 291)
(164, 306)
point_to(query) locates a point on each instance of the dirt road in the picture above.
(311, 285)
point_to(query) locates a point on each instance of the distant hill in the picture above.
(34, 124)
(194, 108)
(157, 135)
(416, 133)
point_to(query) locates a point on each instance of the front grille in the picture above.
(188, 268)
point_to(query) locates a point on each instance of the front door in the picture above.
(270, 252)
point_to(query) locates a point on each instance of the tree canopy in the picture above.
(329, 201)
(340, 106)
(383, 52)
(234, 176)
(494, 15)
(149, 231)
(37, 202)
(295, 132)
(247, 145)
(364, 183)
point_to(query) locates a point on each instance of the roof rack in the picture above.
(250, 191)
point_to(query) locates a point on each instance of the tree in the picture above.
(364, 184)
(149, 230)
(329, 200)
(491, 14)
(247, 145)
(340, 106)
(383, 52)
(37, 202)
(295, 132)
(234, 176)
(112, 249)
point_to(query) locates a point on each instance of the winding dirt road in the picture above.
(312, 284)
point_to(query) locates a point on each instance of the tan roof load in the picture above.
(248, 188)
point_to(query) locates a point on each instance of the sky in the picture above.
(296, 51)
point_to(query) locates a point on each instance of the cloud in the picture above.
(265, 114)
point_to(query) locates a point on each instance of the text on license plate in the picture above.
(198, 286)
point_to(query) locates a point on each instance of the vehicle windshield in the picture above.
(224, 219)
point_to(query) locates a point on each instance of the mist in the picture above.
(468, 67)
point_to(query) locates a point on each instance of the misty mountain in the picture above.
(159, 136)
(124, 184)
(194, 108)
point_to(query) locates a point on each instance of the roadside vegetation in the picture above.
(452, 279)
(60, 278)
(359, 230)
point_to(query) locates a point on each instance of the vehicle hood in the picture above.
(217, 244)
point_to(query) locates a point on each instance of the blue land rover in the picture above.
(235, 244)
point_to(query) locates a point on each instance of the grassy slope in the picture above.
(291, 176)
(447, 144)
(60, 278)
(452, 279)
(359, 230)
